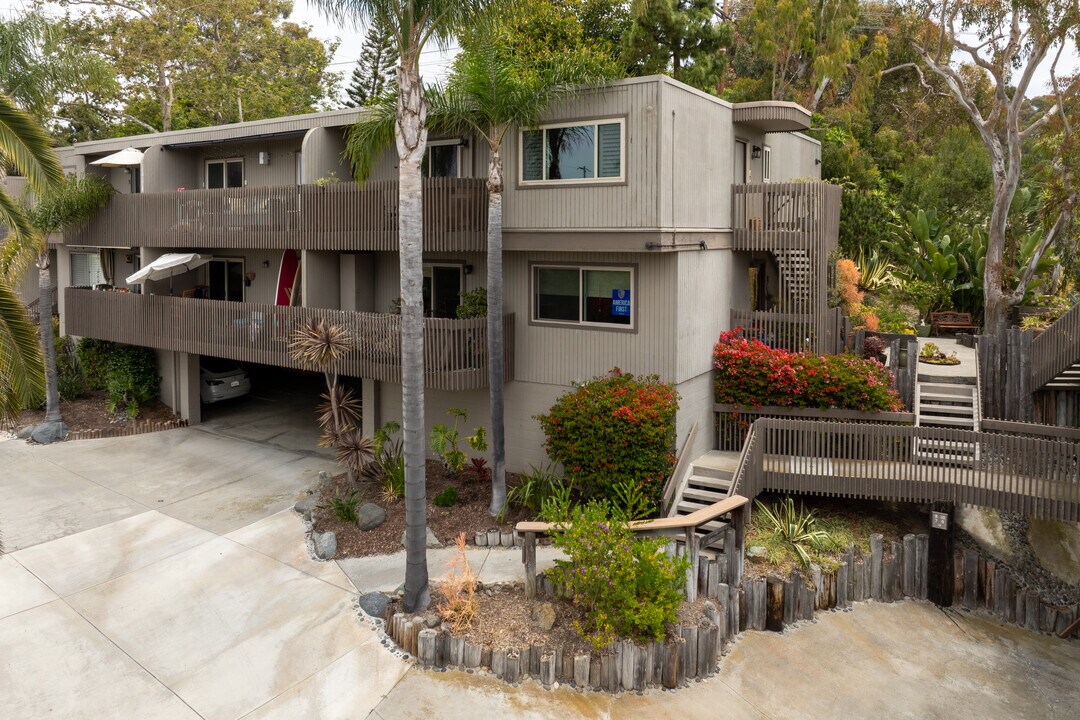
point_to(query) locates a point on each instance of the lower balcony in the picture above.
(455, 351)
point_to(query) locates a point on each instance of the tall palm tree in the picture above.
(414, 24)
(25, 147)
(488, 91)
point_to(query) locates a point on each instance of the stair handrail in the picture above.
(1056, 349)
(744, 459)
(977, 406)
(676, 482)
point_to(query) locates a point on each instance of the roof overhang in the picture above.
(773, 116)
(236, 140)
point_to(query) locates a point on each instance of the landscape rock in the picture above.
(325, 545)
(306, 504)
(24, 432)
(755, 551)
(374, 604)
(431, 620)
(432, 541)
(50, 432)
(370, 516)
(544, 615)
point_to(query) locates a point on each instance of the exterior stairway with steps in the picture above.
(710, 481)
(948, 405)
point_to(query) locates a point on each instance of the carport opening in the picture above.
(278, 405)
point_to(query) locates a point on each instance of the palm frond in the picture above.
(27, 148)
(373, 132)
(319, 344)
(22, 242)
(22, 370)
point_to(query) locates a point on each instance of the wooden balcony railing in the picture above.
(342, 216)
(1056, 350)
(455, 351)
(777, 216)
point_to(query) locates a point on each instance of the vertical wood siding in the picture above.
(562, 354)
(628, 205)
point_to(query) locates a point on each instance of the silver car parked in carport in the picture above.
(221, 380)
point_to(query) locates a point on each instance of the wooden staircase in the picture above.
(710, 481)
(947, 405)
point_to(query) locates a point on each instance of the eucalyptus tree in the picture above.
(24, 147)
(414, 24)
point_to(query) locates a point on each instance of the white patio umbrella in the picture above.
(126, 158)
(167, 266)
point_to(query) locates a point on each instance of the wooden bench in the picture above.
(951, 321)
(682, 527)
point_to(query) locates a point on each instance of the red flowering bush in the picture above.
(749, 372)
(613, 429)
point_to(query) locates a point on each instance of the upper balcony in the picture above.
(340, 216)
(455, 351)
(785, 216)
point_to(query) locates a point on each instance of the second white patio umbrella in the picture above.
(167, 266)
(128, 157)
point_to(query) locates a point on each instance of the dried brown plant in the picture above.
(456, 595)
(319, 344)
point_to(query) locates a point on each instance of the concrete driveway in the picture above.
(163, 576)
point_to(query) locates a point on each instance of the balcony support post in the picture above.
(370, 420)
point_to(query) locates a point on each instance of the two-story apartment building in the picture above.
(641, 220)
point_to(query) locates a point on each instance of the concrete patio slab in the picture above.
(80, 561)
(225, 627)
(281, 537)
(233, 505)
(56, 664)
(384, 573)
(19, 589)
(42, 501)
(167, 467)
(350, 687)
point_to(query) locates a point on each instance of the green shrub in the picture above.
(535, 487)
(70, 382)
(628, 586)
(445, 440)
(93, 356)
(132, 378)
(447, 498)
(473, 304)
(388, 467)
(612, 429)
(344, 508)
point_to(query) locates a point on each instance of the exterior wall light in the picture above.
(755, 152)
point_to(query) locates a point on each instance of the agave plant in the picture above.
(875, 271)
(797, 529)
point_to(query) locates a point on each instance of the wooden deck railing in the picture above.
(1057, 349)
(454, 350)
(824, 332)
(342, 216)
(1036, 476)
(776, 216)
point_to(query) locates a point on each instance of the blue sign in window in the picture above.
(620, 303)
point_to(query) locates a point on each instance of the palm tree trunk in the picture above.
(47, 293)
(495, 355)
(411, 139)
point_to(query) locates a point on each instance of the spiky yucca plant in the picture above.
(320, 345)
(795, 528)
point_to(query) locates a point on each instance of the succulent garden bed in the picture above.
(468, 514)
(931, 354)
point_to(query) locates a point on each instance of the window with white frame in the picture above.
(573, 152)
(766, 164)
(86, 269)
(442, 159)
(584, 295)
(225, 173)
